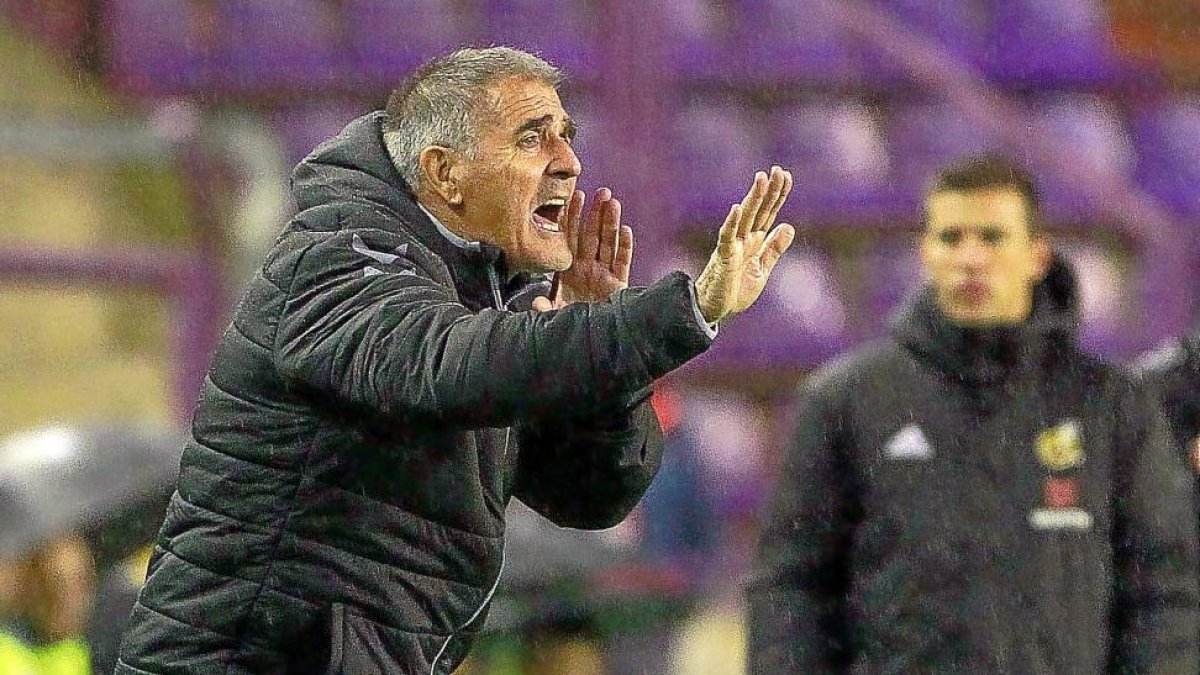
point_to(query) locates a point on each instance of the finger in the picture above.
(542, 304)
(589, 236)
(624, 260)
(775, 185)
(730, 227)
(751, 203)
(783, 196)
(610, 232)
(779, 241)
(574, 213)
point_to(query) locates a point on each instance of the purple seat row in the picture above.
(172, 45)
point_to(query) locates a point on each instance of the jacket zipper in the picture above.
(494, 282)
(498, 300)
(488, 598)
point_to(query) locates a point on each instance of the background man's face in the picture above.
(516, 189)
(978, 252)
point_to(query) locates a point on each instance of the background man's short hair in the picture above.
(990, 171)
(444, 101)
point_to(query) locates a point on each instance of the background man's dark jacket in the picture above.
(978, 501)
(1174, 373)
(368, 415)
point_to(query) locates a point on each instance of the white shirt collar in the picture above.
(450, 236)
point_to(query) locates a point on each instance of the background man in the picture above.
(977, 495)
(381, 395)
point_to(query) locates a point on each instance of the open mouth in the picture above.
(546, 216)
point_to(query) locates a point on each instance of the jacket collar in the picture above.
(990, 355)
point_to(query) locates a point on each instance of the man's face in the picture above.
(979, 254)
(517, 187)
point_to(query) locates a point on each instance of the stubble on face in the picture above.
(522, 176)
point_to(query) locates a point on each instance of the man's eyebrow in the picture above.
(538, 123)
(535, 123)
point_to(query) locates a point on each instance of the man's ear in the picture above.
(438, 175)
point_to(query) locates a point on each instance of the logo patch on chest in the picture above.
(908, 444)
(1060, 448)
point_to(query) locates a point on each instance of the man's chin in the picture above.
(547, 263)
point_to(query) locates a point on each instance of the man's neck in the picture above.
(446, 231)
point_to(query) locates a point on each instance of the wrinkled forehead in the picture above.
(512, 101)
(993, 207)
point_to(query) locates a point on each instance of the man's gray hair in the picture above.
(443, 102)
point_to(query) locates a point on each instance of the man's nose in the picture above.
(973, 254)
(565, 163)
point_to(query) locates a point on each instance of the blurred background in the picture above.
(146, 146)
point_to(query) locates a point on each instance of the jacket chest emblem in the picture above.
(1060, 448)
(908, 444)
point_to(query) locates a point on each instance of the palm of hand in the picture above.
(601, 252)
(588, 281)
(740, 290)
(747, 249)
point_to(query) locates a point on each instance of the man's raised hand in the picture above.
(601, 251)
(747, 248)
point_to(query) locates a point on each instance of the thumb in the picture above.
(542, 304)
(776, 245)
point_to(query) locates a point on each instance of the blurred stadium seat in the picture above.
(566, 33)
(283, 44)
(161, 46)
(302, 128)
(838, 155)
(389, 38)
(718, 148)
(1050, 42)
(790, 41)
(924, 137)
(755, 42)
(1093, 131)
(1167, 136)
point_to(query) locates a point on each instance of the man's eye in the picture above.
(992, 236)
(529, 140)
(950, 237)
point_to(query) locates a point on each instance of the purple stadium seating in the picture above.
(283, 44)
(1050, 42)
(718, 149)
(890, 272)
(838, 156)
(959, 26)
(595, 154)
(390, 38)
(302, 128)
(1091, 131)
(1167, 137)
(160, 46)
(759, 41)
(697, 34)
(924, 137)
(562, 32)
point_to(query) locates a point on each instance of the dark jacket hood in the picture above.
(989, 355)
(354, 167)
